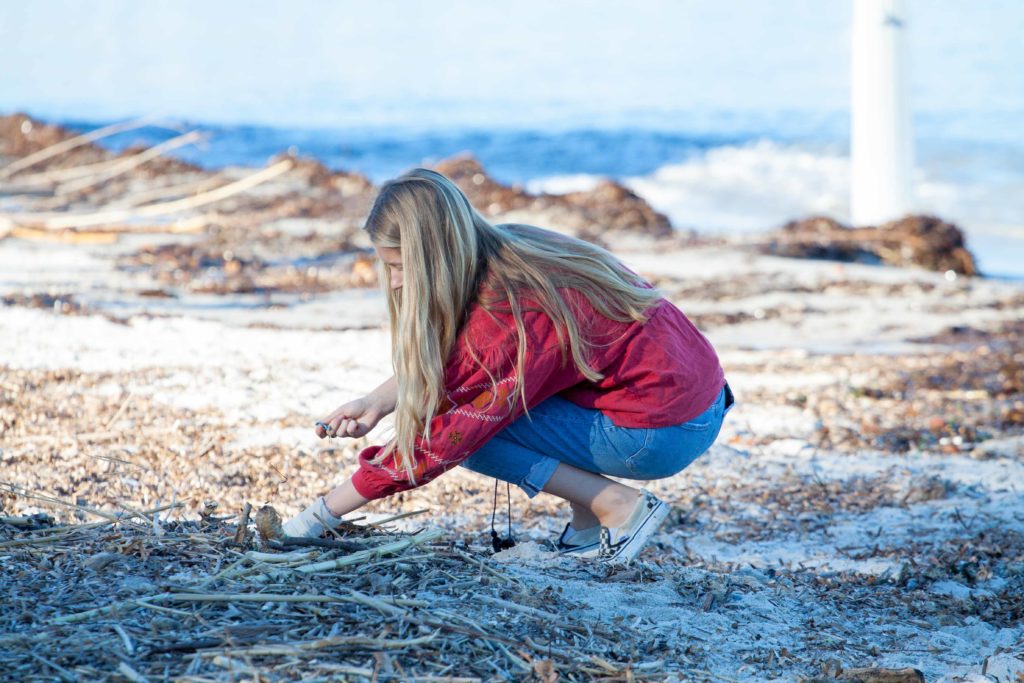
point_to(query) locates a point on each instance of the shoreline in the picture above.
(995, 237)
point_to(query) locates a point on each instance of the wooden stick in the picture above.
(424, 536)
(126, 165)
(44, 178)
(117, 414)
(293, 542)
(302, 647)
(58, 532)
(68, 236)
(392, 518)
(70, 144)
(243, 525)
(180, 189)
(63, 220)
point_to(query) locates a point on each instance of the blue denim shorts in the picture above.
(527, 452)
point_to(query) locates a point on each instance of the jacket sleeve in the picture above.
(476, 411)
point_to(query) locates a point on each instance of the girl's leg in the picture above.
(595, 499)
(579, 445)
(582, 517)
(563, 450)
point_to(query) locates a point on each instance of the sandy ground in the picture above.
(862, 506)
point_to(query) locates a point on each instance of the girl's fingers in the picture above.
(338, 424)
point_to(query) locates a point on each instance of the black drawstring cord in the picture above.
(497, 543)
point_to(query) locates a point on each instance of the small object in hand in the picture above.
(327, 430)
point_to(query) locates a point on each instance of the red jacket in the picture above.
(656, 374)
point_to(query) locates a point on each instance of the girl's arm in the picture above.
(344, 499)
(328, 510)
(385, 397)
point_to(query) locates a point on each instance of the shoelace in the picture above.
(497, 543)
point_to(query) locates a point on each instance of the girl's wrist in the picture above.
(379, 406)
(344, 499)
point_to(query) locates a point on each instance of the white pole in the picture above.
(881, 140)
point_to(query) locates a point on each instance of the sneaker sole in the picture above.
(588, 550)
(647, 528)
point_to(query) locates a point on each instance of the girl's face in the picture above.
(393, 258)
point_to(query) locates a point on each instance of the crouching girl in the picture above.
(531, 357)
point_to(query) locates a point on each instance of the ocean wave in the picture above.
(762, 185)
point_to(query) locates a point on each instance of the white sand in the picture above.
(258, 376)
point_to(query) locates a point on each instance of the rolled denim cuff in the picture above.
(538, 476)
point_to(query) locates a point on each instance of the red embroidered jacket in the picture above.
(657, 374)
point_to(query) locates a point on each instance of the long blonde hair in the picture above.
(448, 252)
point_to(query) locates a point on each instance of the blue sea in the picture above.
(726, 116)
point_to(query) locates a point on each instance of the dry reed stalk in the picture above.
(43, 179)
(179, 190)
(63, 220)
(392, 518)
(67, 145)
(128, 164)
(57, 533)
(242, 534)
(304, 648)
(117, 413)
(425, 536)
(360, 557)
(63, 237)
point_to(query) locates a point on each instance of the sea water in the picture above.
(725, 116)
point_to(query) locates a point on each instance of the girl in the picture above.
(528, 356)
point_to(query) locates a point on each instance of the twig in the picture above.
(63, 220)
(286, 542)
(311, 646)
(243, 525)
(393, 518)
(131, 674)
(128, 645)
(117, 414)
(70, 144)
(126, 165)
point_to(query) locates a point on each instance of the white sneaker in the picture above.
(583, 543)
(620, 545)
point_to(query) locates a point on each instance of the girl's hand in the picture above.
(353, 419)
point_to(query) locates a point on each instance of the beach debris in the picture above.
(36, 142)
(598, 214)
(268, 524)
(924, 241)
(242, 533)
(875, 675)
(410, 603)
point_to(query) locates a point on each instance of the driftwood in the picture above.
(128, 164)
(67, 145)
(62, 221)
